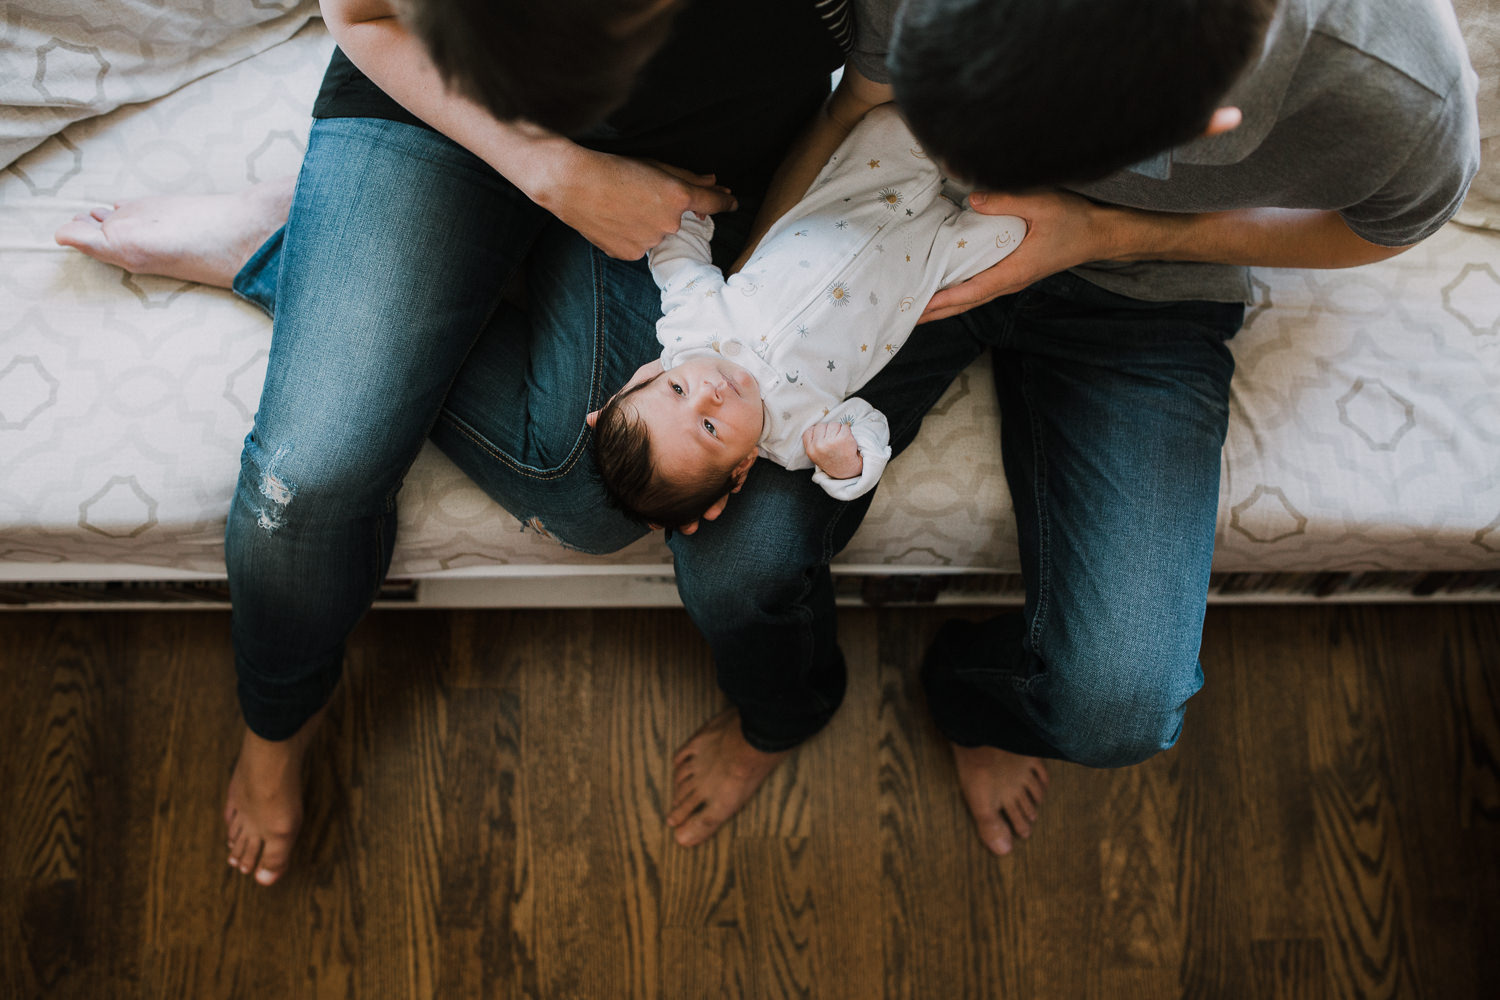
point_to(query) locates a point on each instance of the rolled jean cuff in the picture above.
(256, 281)
(277, 711)
(968, 719)
(773, 728)
(778, 739)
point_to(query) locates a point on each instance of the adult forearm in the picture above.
(396, 61)
(1260, 237)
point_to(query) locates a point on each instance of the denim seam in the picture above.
(1043, 523)
(596, 380)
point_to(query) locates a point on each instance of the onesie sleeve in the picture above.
(681, 263)
(873, 435)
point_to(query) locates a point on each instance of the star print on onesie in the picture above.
(820, 301)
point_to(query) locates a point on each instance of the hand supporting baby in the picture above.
(832, 448)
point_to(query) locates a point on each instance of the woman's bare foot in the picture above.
(714, 774)
(263, 808)
(1003, 791)
(202, 238)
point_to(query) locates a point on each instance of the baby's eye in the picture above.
(708, 425)
(675, 388)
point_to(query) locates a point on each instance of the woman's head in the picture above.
(561, 64)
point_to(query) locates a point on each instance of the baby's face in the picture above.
(706, 412)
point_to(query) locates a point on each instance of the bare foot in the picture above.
(1003, 791)
(714, 774)
(263, 808)
(202, 238)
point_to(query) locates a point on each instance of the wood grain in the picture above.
(486, 808)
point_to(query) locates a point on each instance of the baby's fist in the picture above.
(833, 449)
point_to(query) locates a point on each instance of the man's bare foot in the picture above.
(1003, 791)
(714, 774)
(263, 808)
(202, 238)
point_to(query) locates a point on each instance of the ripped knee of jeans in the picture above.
(276, 491)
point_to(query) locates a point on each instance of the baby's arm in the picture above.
(681, 263)
(850, 449)
(972, 242)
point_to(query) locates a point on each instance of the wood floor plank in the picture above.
(486, 898)
(844, 753)
(396, 718)
(1360, 864)
(1289, 970)
(62, 810)
(1141, 876)
(1209, 837)
(1274, 659)
(28, 677)
(785, 880)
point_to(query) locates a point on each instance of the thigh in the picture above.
(514, 420)
(390, 264)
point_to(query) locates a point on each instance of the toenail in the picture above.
(264, 877)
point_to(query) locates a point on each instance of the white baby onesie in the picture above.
(832, 291)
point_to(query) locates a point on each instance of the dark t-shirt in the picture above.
(727, 93)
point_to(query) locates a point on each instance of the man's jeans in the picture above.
(389, 326)
(1112, 417)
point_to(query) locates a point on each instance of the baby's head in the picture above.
(671, 443)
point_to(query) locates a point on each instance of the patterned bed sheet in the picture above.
(1364, 434)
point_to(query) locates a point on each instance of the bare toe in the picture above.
(699, 827)
(715, 774)
(1003, 791)
(995, 833)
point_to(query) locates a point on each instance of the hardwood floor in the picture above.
(486, 802)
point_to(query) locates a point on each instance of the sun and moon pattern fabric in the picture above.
(832, 291)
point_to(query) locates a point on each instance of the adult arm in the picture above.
(1064, 230)
(621, 205)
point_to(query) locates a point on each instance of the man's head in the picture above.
(562, 64)
(671, 443)
(1015, 94)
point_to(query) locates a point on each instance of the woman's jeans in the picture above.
(385, 286)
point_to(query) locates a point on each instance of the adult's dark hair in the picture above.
(562, 64)
(622, 453)
(1014, 94)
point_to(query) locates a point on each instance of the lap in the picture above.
(1113, 415)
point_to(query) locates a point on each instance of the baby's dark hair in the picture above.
(622, 453)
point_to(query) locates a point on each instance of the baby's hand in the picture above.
(833, 449)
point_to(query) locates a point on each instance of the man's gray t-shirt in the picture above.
(1364, 107)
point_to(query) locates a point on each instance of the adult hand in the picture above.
(1062, 231)
(625, 206)
(832, 448)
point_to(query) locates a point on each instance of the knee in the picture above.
(290, 479)
(1123, 710)
(725, 574)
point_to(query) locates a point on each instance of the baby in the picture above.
(766, 362)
